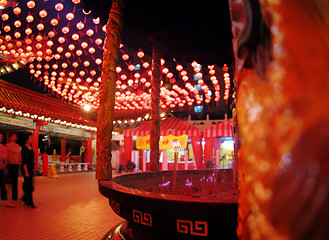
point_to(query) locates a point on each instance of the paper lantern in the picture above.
(91, 50)
(84, 45)
(98, 61)
(70, 16)
(75, 64)
(131, 67)
(140, 54)
(60, 49)
(98, 41)
(39, 38)
(96, 21)
(65, 30)
(29, 48)
(7, 38)
(59, 7)
(137, 75)
(61, 40)
(170, 75)
(118, 69)
(146, 64)
(165, 70)
(185, 78)
(75, 36)
(130, 82)
(29, 18)
(89, 80)
(92, 72)
(78, 80)
(17, 23)
(147, 84)
(212, 71)
(6, 28)
(125, 56)
(162, 61)
(82, 73)
(90, 32)
(5, 17)
(64, 65)
(80, 25)
(43, 13)
(54, 22)
(17, 10)
(40, 26)
(183, 73)
(86, 63)
(71, 47)
(51, 34)
(79, 52)
(55, 66)
(68, 54)
(179, 67)
(38, 45)
(123, 77)
(30, 4)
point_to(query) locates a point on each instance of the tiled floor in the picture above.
(69, 207)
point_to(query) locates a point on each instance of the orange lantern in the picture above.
(118, 69)
(140, 54)
(59, 7)
(80, 25)
(92, 72)
(60, 49)
(17, 35)
(68, 54)
(17, 23)
(79, 52)
(131, 67)
(29, 18)
(65, 30)
(90, 32)
(123, 77)
(61, 40)
(39, 38)
(50, 43)
(51, 34)
(98, 61)
(86, 63)
(125, 56)
(7, 38)
(43, 13)
(71, 47)
(91, 50)
(17, 10)
(30, 4)
(98, 41)
(70, 16)
(75, 64)
(54, 22)
(84, 45)
(82, 73)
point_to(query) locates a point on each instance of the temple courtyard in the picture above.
(69, 207)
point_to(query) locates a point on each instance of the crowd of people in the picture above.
(12, 158)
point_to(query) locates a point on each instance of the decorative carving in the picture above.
(115, 207)
(142, 218)
(198, 228)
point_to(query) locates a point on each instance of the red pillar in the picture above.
(45, 164)
(89, 151)
(63, 149)
(35, 144)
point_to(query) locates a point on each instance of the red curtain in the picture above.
(127, 150)
(197, 151)
(208, 148)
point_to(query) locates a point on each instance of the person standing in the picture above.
(3, 164)
(14, 159)
(27, 171)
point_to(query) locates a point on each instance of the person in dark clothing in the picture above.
(3, 164)
(27, 171)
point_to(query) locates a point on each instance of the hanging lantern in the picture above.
(170, 75)
(183, 73)
(131, 67)
(71, 74)
(225, 68)
(50, 43)
(80, 25)
(140, 54)
(212, 72)
(98, 41)
(82, 73)
(75, 64)
(70, 16)
(143, 80)
(194, 64)
(90, 32)
(146, 64)
(165, 70)
(86, 63)
(71, 47)
(98, 61)
(60, 49)
(7, 38)
(185, 78)
(40, 26)
(54, 22)
(17, 10)
(64, 65)
(75, 36)
(198, 75)
(123, 86)
(43, 13)
(147, 84)
(118, 69)
(39, 38)
(59, 7)
(29, 48)
(92, 72)
(55, 66)
(137, 75)
(29, 18)
(91, 50)
(61, 40)
(67, 54)
(17, 23)
(130, 82)
(96, 21)
(84, 45)
(38, 45)
(89, 80)
(6, 28)
(162, 61)
(51, 34)
(79, 52)
(125, 56)
(65, 30)
(76, 1)
(30, 4)
(123, 77)
(179, 67)
(5, 17)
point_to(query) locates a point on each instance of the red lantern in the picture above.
(61, 40)
(140, 54)
(17, 10)
(67, 54)
(86, 63)
(118, 69)
(146, 64)
(65, 30)
(70, 16)
(75, 64)
(98, 41)
(64, 65)
(54, 22)
(17, 35)
(79, 52)
(29, 18)
(131, 67)
(30, 4)
(91, 50)
(96, 21)
(71, 47)
(28, 31)
(98, 61)
(75, 36)
(59, 7)
(51, 34)
(125, 57)
(84, 45)
(17, 23)
(90, 32)
(43, 13)
(39, 38)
